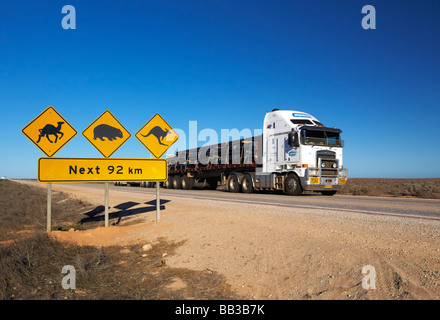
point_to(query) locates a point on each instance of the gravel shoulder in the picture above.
(268, 252)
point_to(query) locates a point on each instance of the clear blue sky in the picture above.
(224, 64)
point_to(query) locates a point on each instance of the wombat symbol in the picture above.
(50, 129)
(105, 131)
(159, 133)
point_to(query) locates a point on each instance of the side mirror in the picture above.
(293, 139)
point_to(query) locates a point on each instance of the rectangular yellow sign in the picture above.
(101, 170)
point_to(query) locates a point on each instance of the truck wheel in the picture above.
(187, 183)
(328, 193)
(233, 184)
(177, 182)
(246, 184)
(169, 182)
(292, 185)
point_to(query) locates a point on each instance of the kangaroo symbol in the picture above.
(50, 129)
(159, 133)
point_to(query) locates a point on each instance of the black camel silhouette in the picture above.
(51, 130)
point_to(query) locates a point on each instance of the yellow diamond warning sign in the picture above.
(49, 131)
(157, 135)
(106, 134)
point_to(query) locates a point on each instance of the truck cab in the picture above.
(307, 154)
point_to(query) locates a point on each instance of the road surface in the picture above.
(391, 206)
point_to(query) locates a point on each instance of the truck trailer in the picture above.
(296, 153)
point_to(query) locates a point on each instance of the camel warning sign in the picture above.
(157, 135)
(106, 134)
(49, 131)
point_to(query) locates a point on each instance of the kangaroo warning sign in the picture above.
(106, 134)
(157, 135)
(101, 170)
(49, 131)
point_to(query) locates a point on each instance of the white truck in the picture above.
(296, 153)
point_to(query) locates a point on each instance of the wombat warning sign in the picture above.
(106, 134)
(157, 135)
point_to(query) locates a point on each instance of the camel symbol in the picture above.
(159, 133)
(50, 129)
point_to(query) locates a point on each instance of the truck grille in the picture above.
(328, 159)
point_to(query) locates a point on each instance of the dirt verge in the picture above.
(32, 261)
(267, 252)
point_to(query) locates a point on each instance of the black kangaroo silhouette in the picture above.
(51, 129)
(159, 133)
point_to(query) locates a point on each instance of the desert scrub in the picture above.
(23, 207)
(31, 269)
(423, 190)
(420, 188)
(362, 190)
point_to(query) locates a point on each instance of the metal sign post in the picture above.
(49, 207)
(106, 204)
(157, 201)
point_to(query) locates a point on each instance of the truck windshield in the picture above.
(321, 138)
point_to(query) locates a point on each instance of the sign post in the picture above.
(106, 134)
(106, 204)
(157, 202)
(157, 136)
(49, 207)
(49, 131)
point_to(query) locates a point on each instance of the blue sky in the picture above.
(224, 64)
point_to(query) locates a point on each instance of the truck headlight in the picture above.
(334, 165)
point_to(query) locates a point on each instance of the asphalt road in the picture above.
(405, 207)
